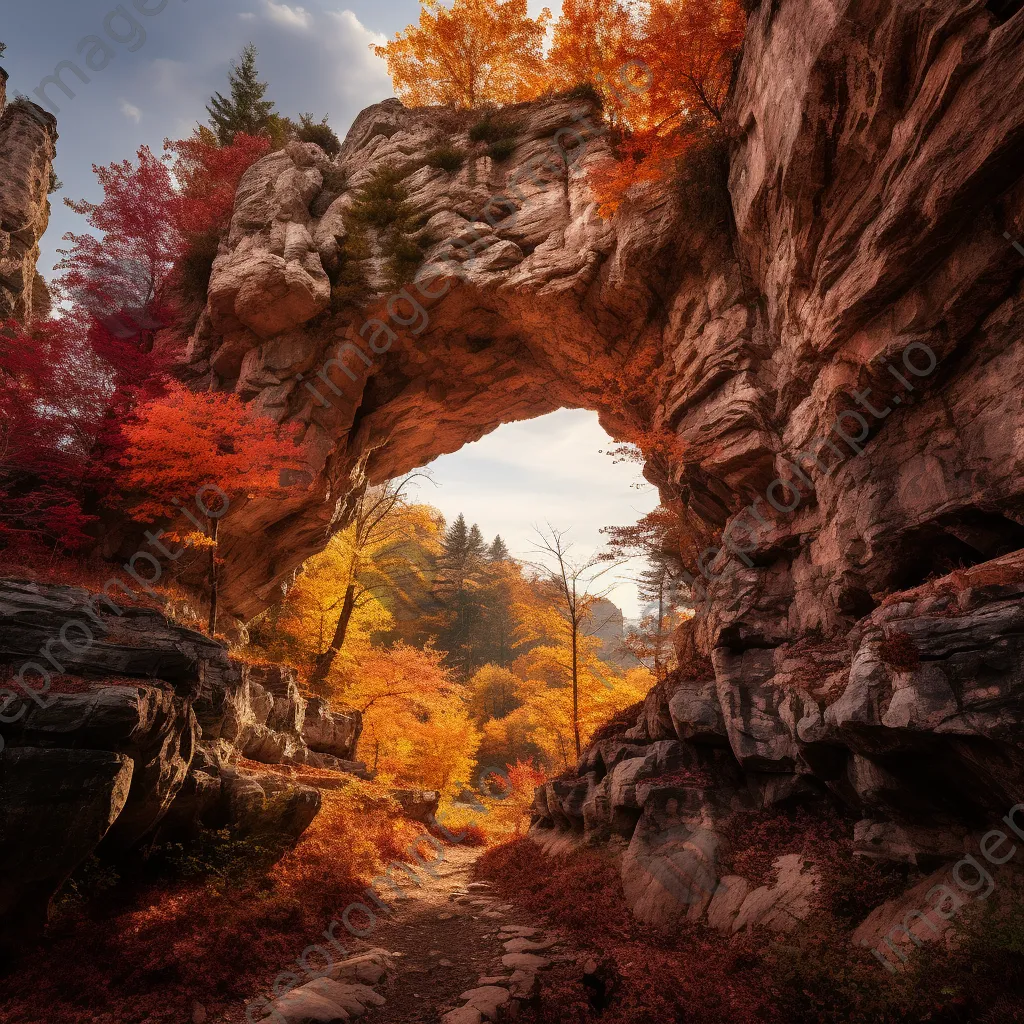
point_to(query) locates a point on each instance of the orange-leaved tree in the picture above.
(415, 725)
(476, 51)
(688, 49)
(201, 447)
(595, 43)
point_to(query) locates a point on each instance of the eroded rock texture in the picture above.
(912, 732)
(28, 136)
(120, 728)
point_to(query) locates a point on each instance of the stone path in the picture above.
(452, 952)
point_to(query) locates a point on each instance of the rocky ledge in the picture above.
(910, 726)
(123, 729)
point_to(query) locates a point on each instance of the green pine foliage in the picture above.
(318, 132)
(245, 110)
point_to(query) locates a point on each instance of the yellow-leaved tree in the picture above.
(473, 52)
(416, 729)
(380, 555)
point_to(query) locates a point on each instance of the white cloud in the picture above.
(246, 16)
(131, 111)
(293, 17)
(362, 76)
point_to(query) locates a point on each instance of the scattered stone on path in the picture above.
(522, 945)
(497, 979)
(464, 1015)
(523, 985)
(494, 915)
(478, 886)
(445, 917)
(525, 961)
(520, 930)
(445, 963)
(368, 968)
(487, 999)
(301, 1006)
(353, 999)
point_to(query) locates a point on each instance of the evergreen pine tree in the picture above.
(458, 589)
(476, 546)
(498, 552)
(246, 110)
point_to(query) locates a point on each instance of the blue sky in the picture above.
(316, 57)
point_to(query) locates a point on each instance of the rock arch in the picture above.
(874, 195)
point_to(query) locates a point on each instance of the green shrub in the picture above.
(215, 853)
(501, 150)
(349, 285)
(446, 158)
(494, 128)
(485, 131)
(319, 132)
(90, 879)
(404, 255)
(382, 201)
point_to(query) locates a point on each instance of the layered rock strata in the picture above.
(28, 137)
(910, 727)
(121, 729)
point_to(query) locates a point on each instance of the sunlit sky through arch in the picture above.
(546, 470)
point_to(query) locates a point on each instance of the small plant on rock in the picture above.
(501, 150)
(899, 651)
(446, 158)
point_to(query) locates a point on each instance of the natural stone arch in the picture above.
(525, 301)
(844, 241)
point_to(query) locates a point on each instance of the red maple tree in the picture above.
(202, 447)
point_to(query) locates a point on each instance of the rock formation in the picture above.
(840, 363)
(133, 731)
(28, 137)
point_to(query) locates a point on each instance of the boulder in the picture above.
(418, 804)
(785, 904)
(56, 806)
(331, 732)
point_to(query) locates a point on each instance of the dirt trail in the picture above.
(448, 932)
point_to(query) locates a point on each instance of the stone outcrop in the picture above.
(57, 807)
(28, 137)
(121, 728)
(912, 733)
(831, 332)
(871, 190)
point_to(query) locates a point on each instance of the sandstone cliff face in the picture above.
(844, 372)
(144, 744)
(28, 136)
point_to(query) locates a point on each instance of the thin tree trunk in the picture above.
(325, 661)
(215, 527)
(661, 626)
(575, 689)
